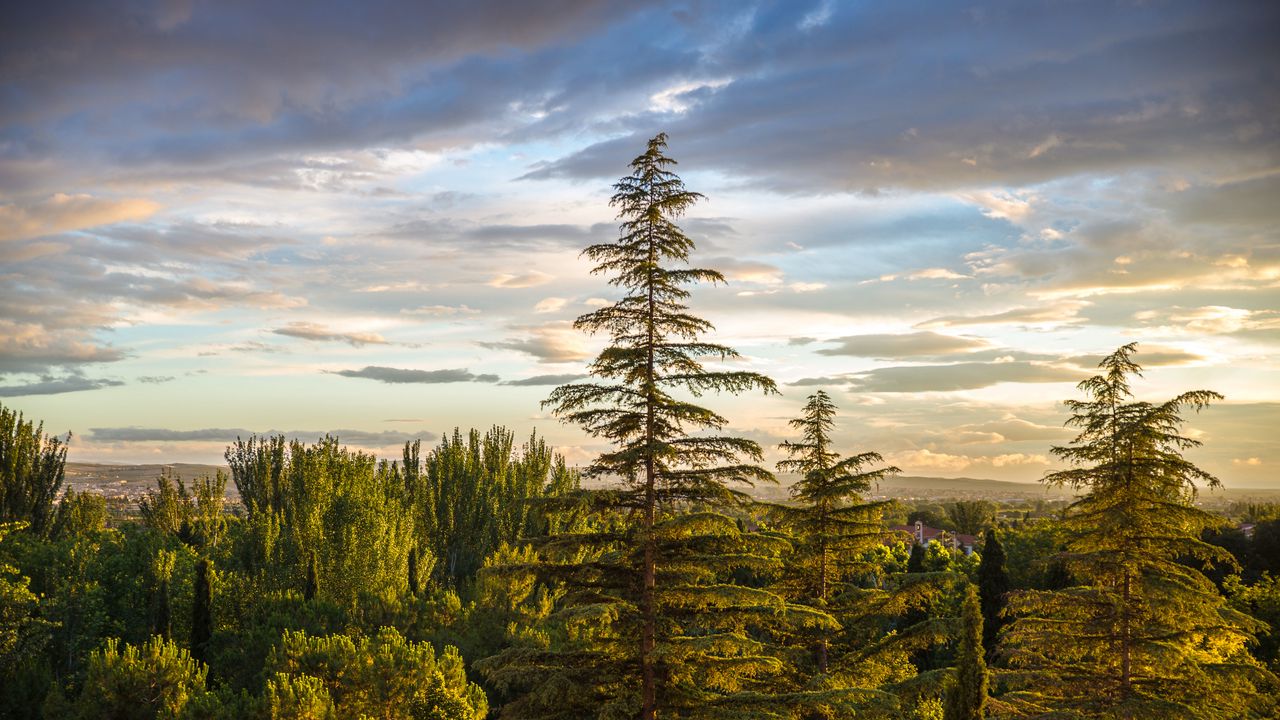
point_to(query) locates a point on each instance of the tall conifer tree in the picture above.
(967, 693)
(202, 611)
(832, 525)
(654, 624)
(1143, 634)
(993, 585)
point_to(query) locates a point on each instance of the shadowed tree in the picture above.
(993, 584)
(1143, 634)
(967, 693)
(202, 611)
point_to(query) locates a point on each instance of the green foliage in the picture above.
(202, 611)
(325, 503)
(1142, 635)
(967, 693)
(993, 585)
(831, 526)
(79, 514)
(298, 697)
(472, 494)
(156, 680)
(652, 617)
(32, 465)
(1262, 601)
(22, 633)
(381, 676)
(971, 517)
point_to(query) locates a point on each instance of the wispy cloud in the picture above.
(322, 333)
(406, 375)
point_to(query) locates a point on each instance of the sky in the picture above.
(224, 218)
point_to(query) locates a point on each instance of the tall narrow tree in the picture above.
(1143, 634)
(967, 693)
(659, 575)
(993, 585)
(832, 525)
(202, 611)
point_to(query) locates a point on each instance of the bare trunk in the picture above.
(648, 679)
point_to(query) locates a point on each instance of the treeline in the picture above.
(483, 579)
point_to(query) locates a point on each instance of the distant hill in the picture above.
(134, 480)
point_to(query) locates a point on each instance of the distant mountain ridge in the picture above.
(133, 480)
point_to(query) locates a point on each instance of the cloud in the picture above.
(155, 379)
(532, 278)
(1059, 313)
(57, 386)
(901, 346)
(546, 380)
(314, 331)
(402, 375)
(64, 213)
(551, 304)
(553, 343)
(1146, 356)
(362, 438)
(1038, 99)
(959, 376)
(31, 347)
(440, 310)
(930, 460)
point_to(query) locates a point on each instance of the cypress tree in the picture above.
(1142, 634)
(915, 561)
(312, 585)
(832, 525)
(655, 623)
(162, 572)
(967, 694)
(993, 584)
(202, 611)
(413, 571)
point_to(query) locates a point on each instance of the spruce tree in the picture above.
(993, 584)
(202, 611)
(653, 623)
(1143, 633)
(833, 527)
(967, 693)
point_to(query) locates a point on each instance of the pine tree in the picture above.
(655, 624)
(967, 694)
(832, 525)
(202, 611)
(1143, 634)
(993, 584)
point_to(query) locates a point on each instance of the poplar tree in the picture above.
(1143, 633)
(833, 527)
(653, 622)
(32, 466)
